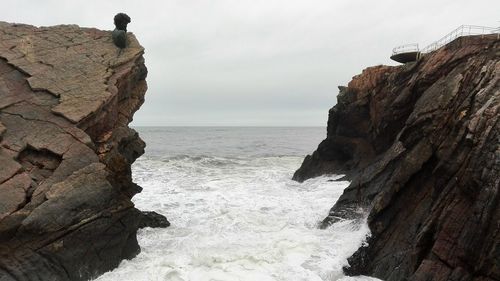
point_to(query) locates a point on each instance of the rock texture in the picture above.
(66, 98)
(421, 144)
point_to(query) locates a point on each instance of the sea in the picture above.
(235, 212)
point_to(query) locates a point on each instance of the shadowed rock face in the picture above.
(421, 144)
(66, 98)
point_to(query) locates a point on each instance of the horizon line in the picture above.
(245, 126)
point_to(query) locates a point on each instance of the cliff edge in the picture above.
(66, 99)
(421, 144)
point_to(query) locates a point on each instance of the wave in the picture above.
(238, 218)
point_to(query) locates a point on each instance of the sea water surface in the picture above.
(235, 212)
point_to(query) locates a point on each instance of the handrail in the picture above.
(405, 49)
(463, 30)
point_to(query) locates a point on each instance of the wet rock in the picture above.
(421, 144)
(66, 99)
(153, 219)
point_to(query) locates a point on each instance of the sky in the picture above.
(257, 63)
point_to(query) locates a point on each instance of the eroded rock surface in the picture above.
(421, 144)
(66, 98)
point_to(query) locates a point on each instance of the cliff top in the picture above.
(72, 63)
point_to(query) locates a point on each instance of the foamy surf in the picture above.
(238, 218)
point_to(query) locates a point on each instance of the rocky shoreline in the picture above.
(66, 98)
(421, 144)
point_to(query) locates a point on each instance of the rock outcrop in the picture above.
(421, 144)
(66, 98)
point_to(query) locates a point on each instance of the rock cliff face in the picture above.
(66, 98)
(421, 144)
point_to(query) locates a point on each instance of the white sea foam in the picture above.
(238, 219)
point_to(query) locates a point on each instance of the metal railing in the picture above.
(463, 30)
(405, 49)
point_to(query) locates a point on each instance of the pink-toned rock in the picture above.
(2, 130)
(421, 145)
(13, 193)
(66, 97)
(9, 166)
(67, 61)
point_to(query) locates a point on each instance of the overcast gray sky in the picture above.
(271, 63)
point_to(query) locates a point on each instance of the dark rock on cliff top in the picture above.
(422, 145)
(66, 98)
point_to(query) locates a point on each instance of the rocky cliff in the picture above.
(66, 97)
(421, 144)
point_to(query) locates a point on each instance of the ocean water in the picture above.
(235, 212)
